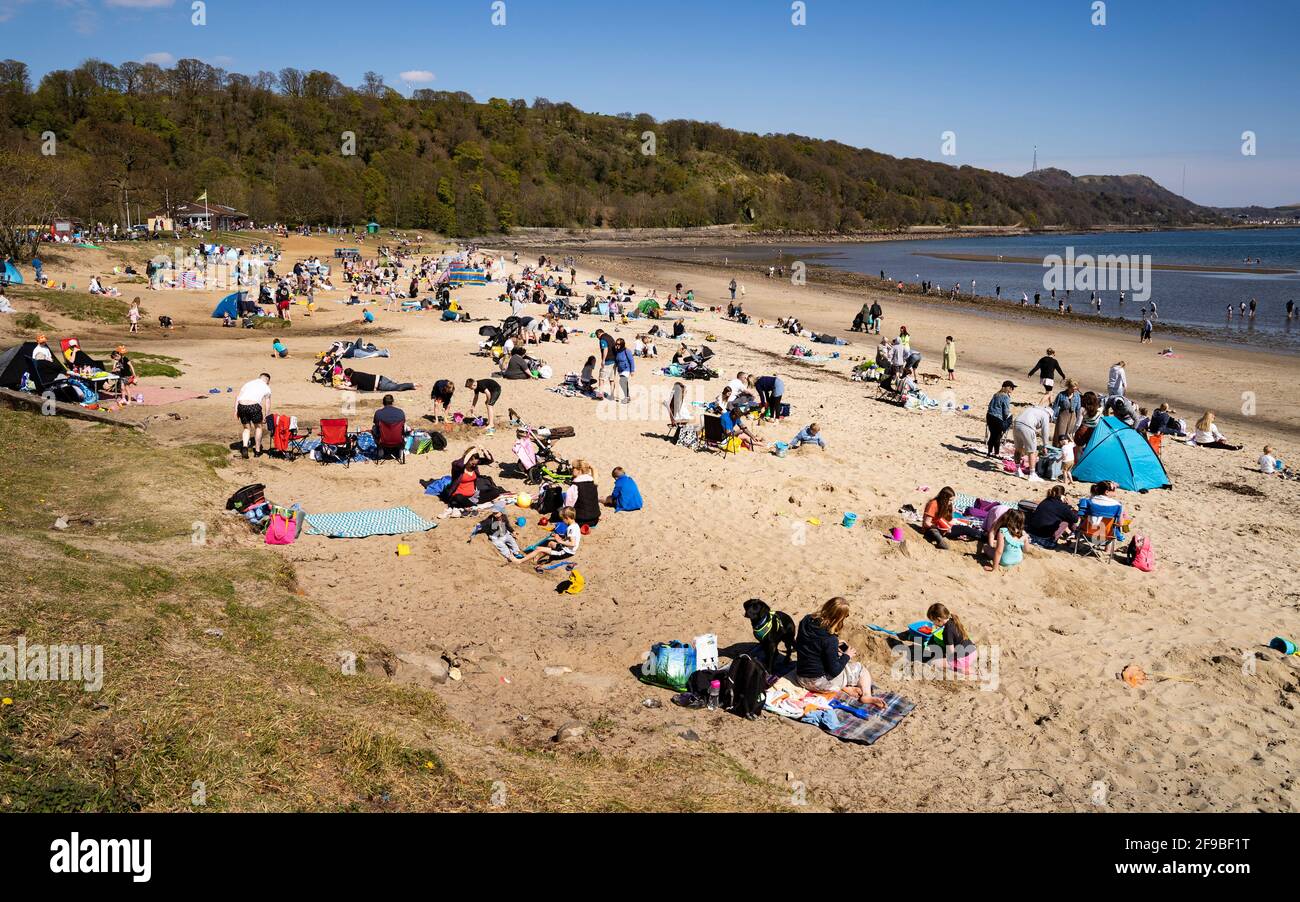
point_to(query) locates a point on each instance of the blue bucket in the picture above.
(850, 519)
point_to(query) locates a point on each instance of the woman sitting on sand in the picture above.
(1052, 520)
(825, 664)
(1207, 434)
(582, 494)
(464, 489)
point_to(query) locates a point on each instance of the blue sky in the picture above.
(1165, 86)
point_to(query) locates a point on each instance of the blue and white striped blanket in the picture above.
(392, 521)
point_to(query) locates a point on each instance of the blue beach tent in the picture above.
(1118, 452)
(12, 275)
(228, 305)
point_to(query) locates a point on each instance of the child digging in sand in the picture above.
(562, 543)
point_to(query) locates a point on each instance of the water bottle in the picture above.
(715, 688)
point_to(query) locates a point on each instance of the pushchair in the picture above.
(536, 460)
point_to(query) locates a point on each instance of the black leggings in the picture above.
(996, 429)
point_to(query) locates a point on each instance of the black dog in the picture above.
(771, 628)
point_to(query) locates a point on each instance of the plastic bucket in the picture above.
(850, 519)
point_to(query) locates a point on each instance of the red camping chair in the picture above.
(286, 440)
(391, 441)
(337, 445)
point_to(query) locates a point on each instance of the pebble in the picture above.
(570, 732)
(557, 671)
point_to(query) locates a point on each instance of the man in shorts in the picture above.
(1029, 426)
(252, 406)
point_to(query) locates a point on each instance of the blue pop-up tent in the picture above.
(1119, 453)
(12, 274)
(229, 306)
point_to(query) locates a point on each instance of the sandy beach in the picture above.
(1048, 727)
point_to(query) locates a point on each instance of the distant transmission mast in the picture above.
(1035, 169)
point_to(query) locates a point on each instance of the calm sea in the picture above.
(1196, 299)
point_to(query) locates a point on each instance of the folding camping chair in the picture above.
(391, 442)
(1099, 528)
(715, 437)
(890, 389)
(287, 438)
(337, 445)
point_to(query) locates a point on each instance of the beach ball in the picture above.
(524, 500)
(520, 521)
(585, 529)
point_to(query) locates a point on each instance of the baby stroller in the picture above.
(697, 366)
(324, 371)
(536, 460)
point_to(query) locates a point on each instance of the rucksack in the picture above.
(550, 499)
(698, 685)
(748, 681)
(437, 441)
(1142, 553)
(248, 496)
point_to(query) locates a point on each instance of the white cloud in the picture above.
(161, 58)
(417, 76)
(139, 4)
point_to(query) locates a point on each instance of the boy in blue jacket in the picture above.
(626, 496)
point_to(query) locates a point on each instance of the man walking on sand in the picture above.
(252, 406)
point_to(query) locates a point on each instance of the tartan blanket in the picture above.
(787, 699)
(392, 521)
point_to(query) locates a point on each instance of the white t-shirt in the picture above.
(254, 392)
(1267, 463)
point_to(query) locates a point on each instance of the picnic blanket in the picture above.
(392, 521)
(836, 712)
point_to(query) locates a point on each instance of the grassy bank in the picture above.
(222, 685)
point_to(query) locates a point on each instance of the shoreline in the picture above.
(840, 279)
(830, 305)
(610, 239)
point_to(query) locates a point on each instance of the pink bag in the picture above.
(1144, 554)
(286, 523)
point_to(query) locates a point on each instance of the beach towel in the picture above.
(836, 713)
(392, 521)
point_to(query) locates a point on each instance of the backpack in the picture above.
(698, 685)
(550, 499)
(668, 665)
(248, 496)
(742, 689)
(1142, 553)
(748, 681)
(419, 443)
(689, 437)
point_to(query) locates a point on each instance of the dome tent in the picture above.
(1119, 453)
